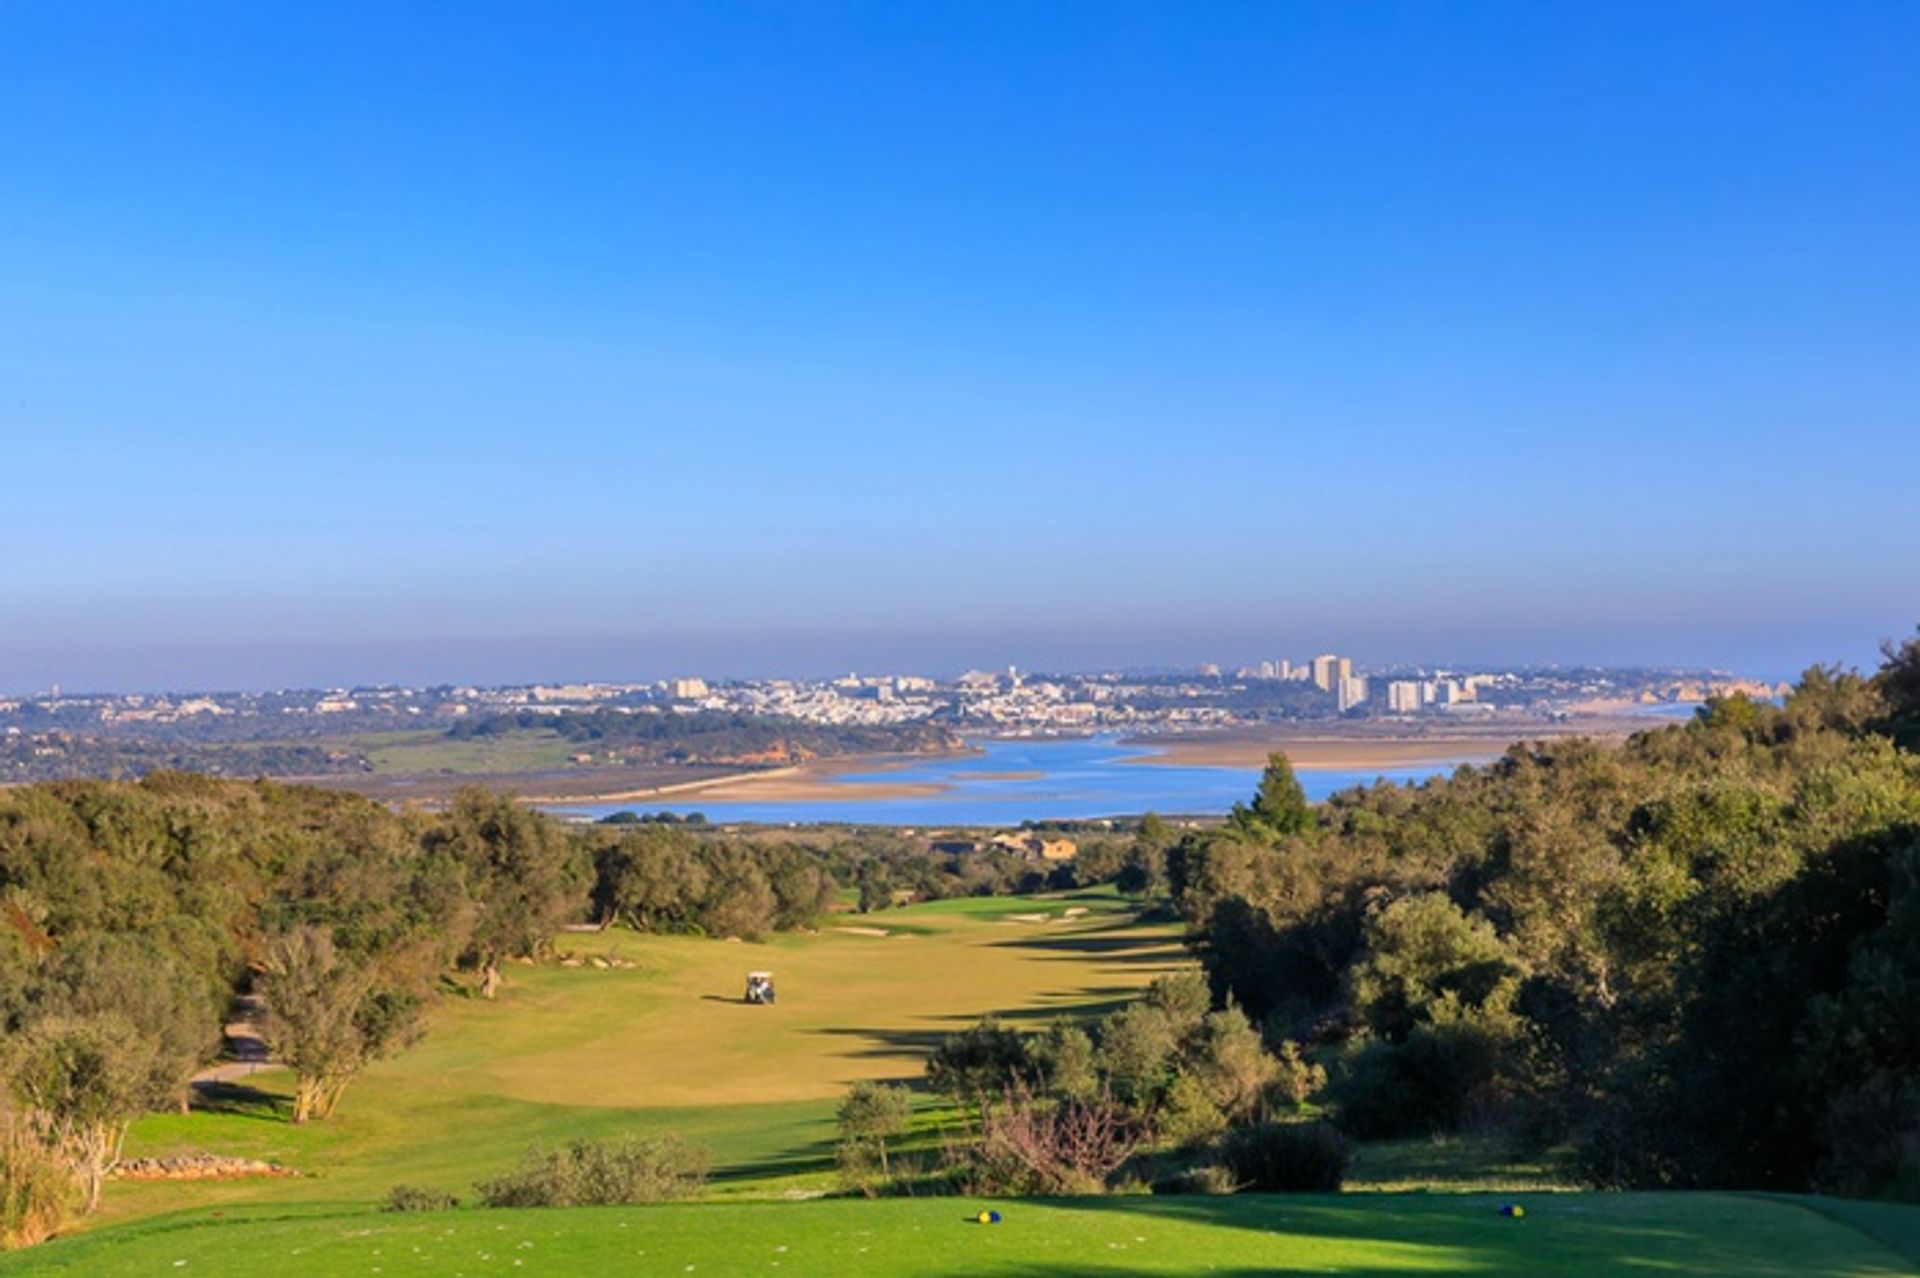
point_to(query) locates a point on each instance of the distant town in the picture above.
(320, 731)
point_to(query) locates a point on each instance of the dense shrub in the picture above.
(1286, 1158)
(1429, 1083)
(36, 1191)
(600, 1173)
(416, 1198)
(1871, 1139)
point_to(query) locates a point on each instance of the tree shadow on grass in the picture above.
(812, 1157)
(1126, 949)
(1466, 1233)
(240, 1100)
(886, 1042)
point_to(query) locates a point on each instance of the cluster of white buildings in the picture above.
(1334, 675)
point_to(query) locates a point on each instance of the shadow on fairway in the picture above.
(240, 1100)
(812, 1157)
(885, 1043)
(1570, 1236)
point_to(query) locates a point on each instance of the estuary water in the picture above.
(1007, 782)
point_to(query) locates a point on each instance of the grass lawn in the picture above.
(518, 750)
(1565, 1235)
(666, 1046)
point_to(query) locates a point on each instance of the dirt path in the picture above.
(246, 1047)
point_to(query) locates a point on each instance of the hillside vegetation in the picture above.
(1695, 957)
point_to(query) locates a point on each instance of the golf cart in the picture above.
(759, 987)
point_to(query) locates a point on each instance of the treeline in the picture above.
(133, 914)
(1693, 959)
(62, 756)
(714, 736)
(666, 876)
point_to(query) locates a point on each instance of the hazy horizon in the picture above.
(252, 667)
(360, 345)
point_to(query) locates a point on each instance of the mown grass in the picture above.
(665, 1045)
(517, 750)
(662, 1045)
(1569, 1236)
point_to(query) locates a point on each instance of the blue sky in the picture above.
(469, 341)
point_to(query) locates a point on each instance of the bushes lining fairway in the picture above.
(1567, 1235)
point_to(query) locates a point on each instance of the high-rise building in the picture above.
(1403, 696)
(1351, 692)
(1329, 671)
(686, 689)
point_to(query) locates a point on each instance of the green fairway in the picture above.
(1568, 1236)
(665, 1045)
(519, 750)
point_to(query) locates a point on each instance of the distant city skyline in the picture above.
(492, 665)
(367, 344)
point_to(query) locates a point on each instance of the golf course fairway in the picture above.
(660, 1042)
(646, 1034)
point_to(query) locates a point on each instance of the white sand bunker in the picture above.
(864, 931)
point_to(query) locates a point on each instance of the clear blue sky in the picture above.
(497, 341)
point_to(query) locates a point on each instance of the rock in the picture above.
(195, 1167)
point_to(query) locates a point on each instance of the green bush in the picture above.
(1430, 1083)
(600, 1173)
(415, 1198)
(1286, 1158)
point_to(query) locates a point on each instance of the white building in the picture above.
(1329, 672)
(1403, 696)
(1351, 692)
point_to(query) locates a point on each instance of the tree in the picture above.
(519, 872)
(1419, 950)
(875, 883)
(1279, 807)
(1136, 1053)
(1231, 1064)
(1066, 1056)
(314, 1001)
(870, 1115)
(979, 1063)
(652, 877)
(131, 978)
(1899, 686)
(739, 901)
(80, 1080)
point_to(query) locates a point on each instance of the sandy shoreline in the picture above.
(800, 783)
